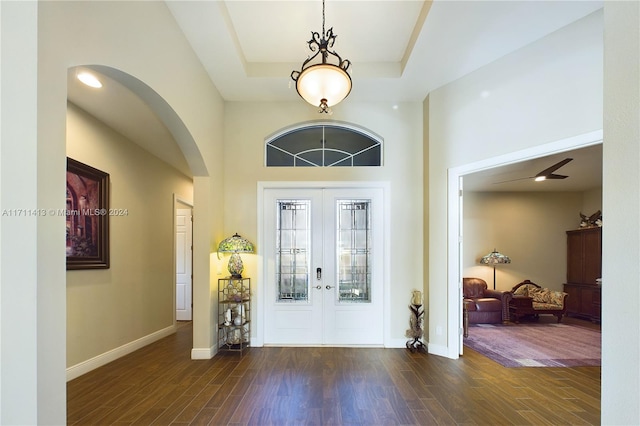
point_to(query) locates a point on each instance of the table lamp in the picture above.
(235, 245)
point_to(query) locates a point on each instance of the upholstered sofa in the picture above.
(528, 298)
(483, 305)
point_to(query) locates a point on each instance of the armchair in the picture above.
(485, 306)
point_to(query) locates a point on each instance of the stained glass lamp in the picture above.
(493, 259)
(235, 245)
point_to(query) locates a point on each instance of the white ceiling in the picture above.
(400, 51)
(584, 172)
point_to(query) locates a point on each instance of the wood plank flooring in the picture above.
(161, 385)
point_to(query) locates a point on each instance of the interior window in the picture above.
(324, 145)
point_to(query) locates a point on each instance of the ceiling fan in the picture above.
(546, 173)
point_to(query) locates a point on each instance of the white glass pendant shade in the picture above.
(323, 81)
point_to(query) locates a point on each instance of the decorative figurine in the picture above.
(591, 221)
(227, 317)
(415, 323)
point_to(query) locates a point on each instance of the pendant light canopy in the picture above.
(319, 81)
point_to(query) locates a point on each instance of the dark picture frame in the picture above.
(87, 217)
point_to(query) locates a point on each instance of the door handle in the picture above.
(319, 287)
(329, 287)
(318, 274)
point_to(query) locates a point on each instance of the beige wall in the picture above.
(139, 39)
(621, 202)
(529, 227)
(152, 63)
(248, 124)
(22, 290)
(135, 297)
(592, 202)
(559, 76)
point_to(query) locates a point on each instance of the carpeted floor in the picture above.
(536, 345)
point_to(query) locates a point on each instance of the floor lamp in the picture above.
(493, 259)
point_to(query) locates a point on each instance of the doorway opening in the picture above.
(456, 263)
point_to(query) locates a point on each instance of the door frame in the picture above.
(455, 238)
(179, 202)
(258, 291)
(186, 276)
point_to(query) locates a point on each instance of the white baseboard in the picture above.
(395, 343)
(203, 353)
(105, 358)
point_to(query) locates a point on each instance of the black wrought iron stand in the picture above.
(415, 331)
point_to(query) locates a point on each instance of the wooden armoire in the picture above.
(584, 267)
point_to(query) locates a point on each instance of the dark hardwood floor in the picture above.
(161, 385)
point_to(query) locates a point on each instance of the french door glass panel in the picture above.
(354, 250)
(293, 248)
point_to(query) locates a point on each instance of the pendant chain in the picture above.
(323, 20)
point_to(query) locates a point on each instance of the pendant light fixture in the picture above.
(319, 81)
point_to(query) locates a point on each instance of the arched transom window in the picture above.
(324, 145)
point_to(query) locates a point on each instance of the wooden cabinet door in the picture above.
(573, 298)
(574, 257)
(592, 257)
(586, 302)
(584, 255)
(597, 303)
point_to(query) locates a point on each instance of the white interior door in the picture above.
(183, 265)
(323, 266)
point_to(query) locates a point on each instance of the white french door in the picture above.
(323, 266)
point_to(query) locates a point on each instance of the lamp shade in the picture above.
(495, 258)
(235, 244)
(326, 82)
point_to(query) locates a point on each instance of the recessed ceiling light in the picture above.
(89, 79)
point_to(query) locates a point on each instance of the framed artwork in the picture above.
(87, 217)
